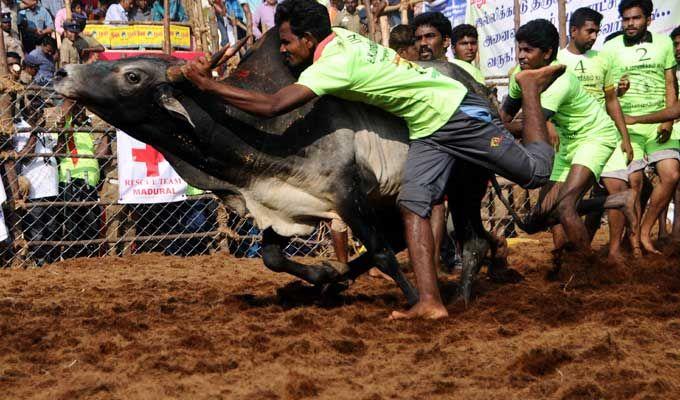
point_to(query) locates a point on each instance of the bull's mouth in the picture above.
(63, 83)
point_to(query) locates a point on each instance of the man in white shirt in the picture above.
(119, 12)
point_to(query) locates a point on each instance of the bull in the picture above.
(328, 159)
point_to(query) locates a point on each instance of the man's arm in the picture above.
(256, 103)
(665, 115)
(666, 128)
(614, 111)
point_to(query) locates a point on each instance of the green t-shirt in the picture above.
(590, 69)
(352, 67)
(645, 64)
(577, 115)
(470, 69)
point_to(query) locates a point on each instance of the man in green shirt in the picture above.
(588, 137)
(647, 59)
(445, 122)
(590, 69)
(464, 39)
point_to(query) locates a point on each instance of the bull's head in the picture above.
(124, 93)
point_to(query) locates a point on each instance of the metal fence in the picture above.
(83, 218)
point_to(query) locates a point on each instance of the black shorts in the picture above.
(472, 135)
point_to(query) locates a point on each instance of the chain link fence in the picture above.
(62, 197)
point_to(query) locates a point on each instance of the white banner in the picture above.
(494, 20)
(144, 176)
(3, 227)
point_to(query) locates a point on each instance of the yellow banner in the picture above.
(139, 36)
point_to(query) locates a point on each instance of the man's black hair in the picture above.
(401, 36)
(675, 33)
(49, 40)
(646, 5)
(304, 16)
(540, 33)
(13, 54)
(583, 15)
(436, 20)
(461, 31)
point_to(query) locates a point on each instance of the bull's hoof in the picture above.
(333, 289)
(474, 251)
(323, 274)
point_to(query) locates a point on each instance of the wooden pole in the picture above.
(167, 46)
(4, 69)
(67, 6)
(562, 18)
(518, 22)
(404, 11)
(371, 20)
(385, 30)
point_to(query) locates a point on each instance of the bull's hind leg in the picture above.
(274, 259)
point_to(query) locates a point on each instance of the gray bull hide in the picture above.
(328, 159)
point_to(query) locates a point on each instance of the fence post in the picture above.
(562, 18)
(167, 45)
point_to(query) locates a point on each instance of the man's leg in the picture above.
(675, 233)
(669, 174)
(437, 220)
(533, 82)
(616, 219)
(421, 252)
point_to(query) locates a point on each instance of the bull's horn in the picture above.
(175, 74)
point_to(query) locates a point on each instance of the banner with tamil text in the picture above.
(144, 175)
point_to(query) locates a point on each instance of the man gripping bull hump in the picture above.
(445, 122)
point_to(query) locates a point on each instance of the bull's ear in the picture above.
(167, 100)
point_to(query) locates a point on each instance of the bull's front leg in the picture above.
(273, 257)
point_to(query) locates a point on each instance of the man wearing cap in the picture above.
(74, 44)
(29, 69)
(12, 44)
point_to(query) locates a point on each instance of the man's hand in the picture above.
(624, 85)
(627, 150)
(199, 72)
(663, 132)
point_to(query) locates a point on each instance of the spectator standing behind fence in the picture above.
(35, 24)
(141, 12)
(177, 12)
(349, 18)
(39, 222)
(12, 8)
(464, 39)
(78, 180)
(249, 7)
(74, 45)
(118, 12)
(11, 43)
(77, 12)
(44, 55)
(29, 69)
(334, 7)
(264, 18)
(52, 6)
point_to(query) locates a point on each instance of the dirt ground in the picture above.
(151, 327)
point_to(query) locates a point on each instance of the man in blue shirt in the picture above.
(177, 12)
(53, 6)
(44, 56)
(35, 23)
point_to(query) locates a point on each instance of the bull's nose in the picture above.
(61, 74)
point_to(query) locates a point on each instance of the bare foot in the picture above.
(647, 244)
(376, 273)
(631, 215)
(422, 309)
(616, 258)
(539, 78)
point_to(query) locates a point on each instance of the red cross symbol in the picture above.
(149, 156)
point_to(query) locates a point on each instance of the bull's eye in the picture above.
(132, 77)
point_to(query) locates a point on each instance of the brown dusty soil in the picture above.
(151, 327)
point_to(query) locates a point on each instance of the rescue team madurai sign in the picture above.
(144, 176)
(494, 20)
(139, 36)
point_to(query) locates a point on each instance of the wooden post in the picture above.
(4, 69)
(371, 20)
(167, 45)
(518, 22)
(385, 30)
(562, 18)
(404, 11)
(67, 6)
